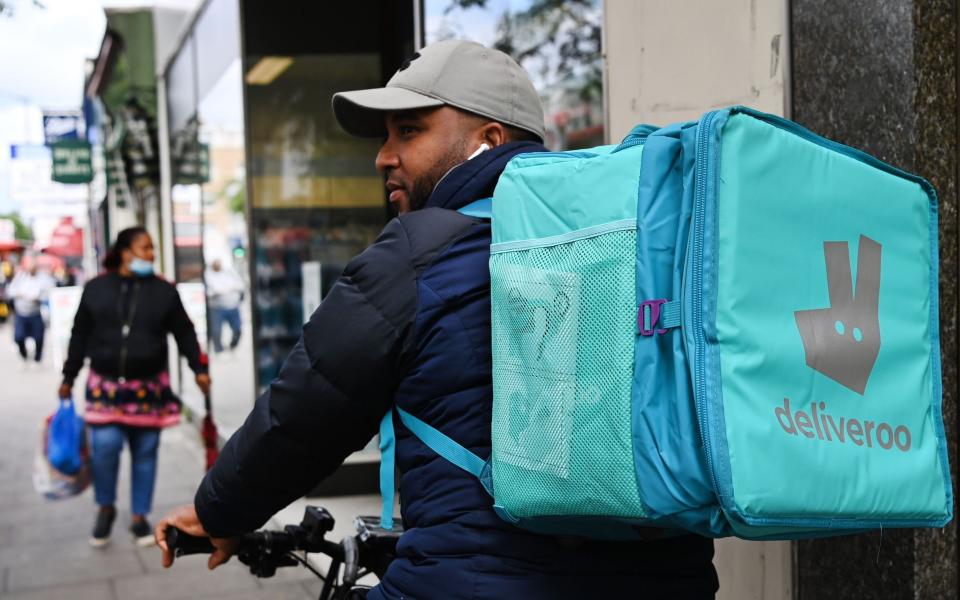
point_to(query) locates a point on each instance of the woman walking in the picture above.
(122, 325)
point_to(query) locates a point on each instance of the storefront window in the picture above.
(185, 194)
(208, 168)
(226, 245)
(558, 43)
(317, 198)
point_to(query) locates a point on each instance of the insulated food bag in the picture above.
(727, 326)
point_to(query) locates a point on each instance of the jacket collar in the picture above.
(476, 178)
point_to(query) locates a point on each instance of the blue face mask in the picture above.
(140, 267)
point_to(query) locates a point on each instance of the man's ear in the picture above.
(493, 134)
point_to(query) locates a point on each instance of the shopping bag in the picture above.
(64, 439)
(52, 483)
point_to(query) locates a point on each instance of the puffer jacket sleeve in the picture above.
(331, 393)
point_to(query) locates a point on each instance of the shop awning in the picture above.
(66, 240)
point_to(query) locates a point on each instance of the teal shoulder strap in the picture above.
(443, 445)
(436, 441)
(481, 209)
(387, 470)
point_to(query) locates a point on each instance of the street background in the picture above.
(44, 549)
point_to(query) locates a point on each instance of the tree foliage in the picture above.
(560, 39)
(22, 231)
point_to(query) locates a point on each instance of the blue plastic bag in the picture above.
(65, 438)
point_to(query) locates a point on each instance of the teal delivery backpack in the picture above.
(726, 326)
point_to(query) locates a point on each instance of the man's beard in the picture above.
(423, 186)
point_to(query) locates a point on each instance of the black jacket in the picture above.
(153, 308)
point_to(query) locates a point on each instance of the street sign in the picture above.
(193, 164)
(72, 161)
(62, 125)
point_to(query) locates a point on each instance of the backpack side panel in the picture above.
(671, 469)
(563, 308)
(819, 373)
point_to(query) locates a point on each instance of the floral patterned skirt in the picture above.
(135, 402)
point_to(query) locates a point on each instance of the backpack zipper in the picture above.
(700, 198)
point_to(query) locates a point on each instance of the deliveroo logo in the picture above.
(843, 341)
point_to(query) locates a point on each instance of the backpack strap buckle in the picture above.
(657, 316)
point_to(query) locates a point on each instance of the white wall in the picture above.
(670, 61)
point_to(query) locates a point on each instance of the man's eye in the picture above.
(406, 129)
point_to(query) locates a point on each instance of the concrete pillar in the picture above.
(673, 61)
(881, 75)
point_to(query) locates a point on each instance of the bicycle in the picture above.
(370, 551)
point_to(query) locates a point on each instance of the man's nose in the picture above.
(387, 158)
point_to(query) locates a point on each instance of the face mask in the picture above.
(140, 267)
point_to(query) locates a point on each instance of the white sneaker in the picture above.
(142, 534)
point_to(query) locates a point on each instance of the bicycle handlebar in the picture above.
(371, 550)
(184, 544)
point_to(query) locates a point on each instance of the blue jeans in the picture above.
(29, 326)
(107, 443)
(217, 318)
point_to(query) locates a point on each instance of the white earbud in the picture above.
(483, 148)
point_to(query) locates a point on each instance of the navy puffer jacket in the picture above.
(409, 323)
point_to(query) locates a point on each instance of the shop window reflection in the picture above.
(222, 168)
(558, 43)
(317, 198)
(186, 204)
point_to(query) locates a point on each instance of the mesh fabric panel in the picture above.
(563, 339)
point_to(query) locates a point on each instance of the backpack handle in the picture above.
(637, 136)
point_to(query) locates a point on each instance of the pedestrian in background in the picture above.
(28, 290)
(122, 324)
(224, 293)
(6, 276)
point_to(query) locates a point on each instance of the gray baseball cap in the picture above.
(457, 73)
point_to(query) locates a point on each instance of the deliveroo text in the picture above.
(818, 424)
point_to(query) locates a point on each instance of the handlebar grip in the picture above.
(183, 544)
(351, 560)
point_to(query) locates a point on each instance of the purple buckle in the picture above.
(654, 306)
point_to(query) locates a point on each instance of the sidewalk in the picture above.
(44, 552)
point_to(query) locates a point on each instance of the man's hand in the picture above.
(65, 391)
(203, 382)
(185, 519)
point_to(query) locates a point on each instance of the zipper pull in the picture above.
(125, 330)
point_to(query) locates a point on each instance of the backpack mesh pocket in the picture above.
(563, 320)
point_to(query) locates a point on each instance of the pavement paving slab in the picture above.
(98, 590)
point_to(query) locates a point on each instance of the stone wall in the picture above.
(881, 75)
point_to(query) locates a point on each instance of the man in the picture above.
(28, 290)
(224, 293)
(408, 324)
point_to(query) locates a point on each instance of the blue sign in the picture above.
(67, 125)
(29, 152)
